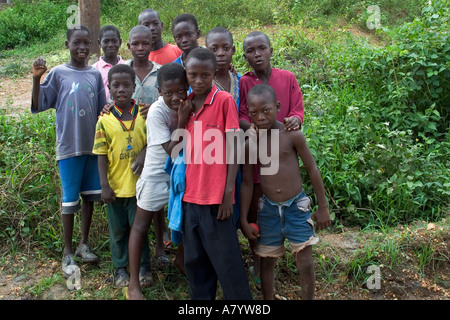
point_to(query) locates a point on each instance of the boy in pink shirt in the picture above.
(110, 42)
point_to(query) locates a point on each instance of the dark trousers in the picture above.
(212, 252)
(121, 213)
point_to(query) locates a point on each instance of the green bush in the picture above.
(31, 21)
(377, 120)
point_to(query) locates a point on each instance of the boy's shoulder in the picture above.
(65, 71)
(220, 97)
(159, 107)
(283, 73)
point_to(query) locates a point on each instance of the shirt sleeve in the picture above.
(243, 111)
(100, 141)
(296, 100)
(157, 127)
(48, 92)
(231, 115)
(101, 95)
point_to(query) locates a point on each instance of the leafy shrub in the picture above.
(377, 119)
(31, 21)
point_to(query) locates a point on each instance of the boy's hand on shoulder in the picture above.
(292, 123)
(322, 217)
(144, 110)
(108, 194)
(106, 109)
(39, 68)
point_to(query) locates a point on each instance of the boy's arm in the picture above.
(322, 215)
(138, 164)
(39, 69)
(294, 119)
(226, 207)
(108, 194)
(246, 197)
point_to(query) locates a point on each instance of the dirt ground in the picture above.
(25, 278)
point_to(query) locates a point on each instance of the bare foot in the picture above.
(133, 294)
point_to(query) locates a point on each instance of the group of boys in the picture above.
(122, 125)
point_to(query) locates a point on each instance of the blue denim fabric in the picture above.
(286, 220)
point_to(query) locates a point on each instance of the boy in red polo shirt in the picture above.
(212, 250)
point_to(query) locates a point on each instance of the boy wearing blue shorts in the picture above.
(284, 208)
(75, 90)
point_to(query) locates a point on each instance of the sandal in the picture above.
(145, 277)
(121, 278)
(167, 245)
(86, 254)
(69, 265)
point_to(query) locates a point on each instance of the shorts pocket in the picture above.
(303, 204)
(261, 203)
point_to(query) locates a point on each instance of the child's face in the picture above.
(200, 75)
(223, 48)
(173, 91)
(257, 52)
(186, 36)
(122, 88)
(262, 110)
(79, 46)
(152, 21)
(110, 43)
(140, 45)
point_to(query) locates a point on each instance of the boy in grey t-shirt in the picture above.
(76, 92)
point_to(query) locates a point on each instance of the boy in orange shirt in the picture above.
(162, 52)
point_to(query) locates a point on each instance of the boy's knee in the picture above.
(304, 258)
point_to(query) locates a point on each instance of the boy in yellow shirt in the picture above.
(120, 143)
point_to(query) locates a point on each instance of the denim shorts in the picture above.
(79, 176)
(289, 220)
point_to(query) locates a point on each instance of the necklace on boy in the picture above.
(134, 111)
